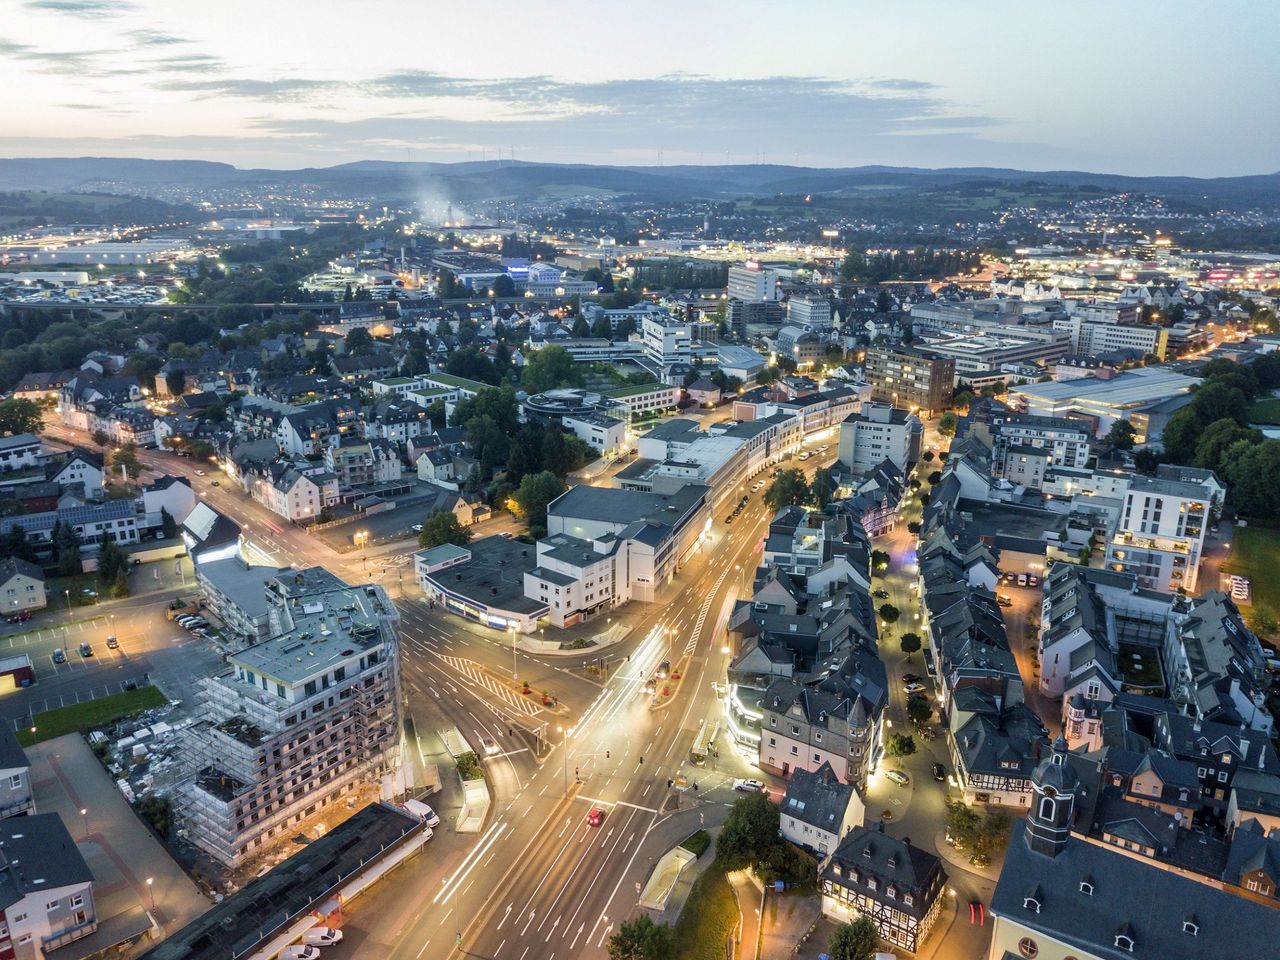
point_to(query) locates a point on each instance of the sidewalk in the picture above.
(787, 920)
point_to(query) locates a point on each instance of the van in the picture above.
(1022, 579)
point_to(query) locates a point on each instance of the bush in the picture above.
(469, 767)
(698, 843)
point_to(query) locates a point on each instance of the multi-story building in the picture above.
(21, 586)
(819, 809)
(801, 345)
(753, 283)
(236, 593)
(362, 463)
(46, 888)
(1060, 442)
(1160, 533)
(645, 398)
(810, 313)
(900, 887)
(15, 777)
(297, 721)
(909, 378)
(879, 433)
(19, 452)
(604, 433)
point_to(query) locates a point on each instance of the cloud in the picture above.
(93, 9)
(188, 63)
(153, 38)
(268, 91)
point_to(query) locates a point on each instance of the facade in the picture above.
(898, 886)
(483, 581)
(811, 313)
(21, 586)
(910, 379)
(236, 593)
(819, 809)
(46, 888)
(645, 398)
(15, 778)
(297, 721)
(1065, 441)
(879, 433)
(81, 467)
(752, 283)
(1134, 396)
(604, 433)
(19, 452)
(1159, 536)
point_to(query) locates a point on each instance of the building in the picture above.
(879, 433)
(20, 452)
(46, 888)
(646, 398)
(819, 809)
(606, 434)
(1159, 536)
(21, 586)
(577, 578)
(900, 887)
(803, 346)
(811, 313)
(483, 581)
(15, 777)
(1061, 895)
(1135, 395)
(82, 469)
(909, 378)
(1025, 448)
(982, 360)
(297, 722)
(753, 283)
(236, 593)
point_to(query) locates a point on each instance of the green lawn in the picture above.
(91, 714)
(1264, 411)
(1142, 674)
(1255, 553)
(709, 916)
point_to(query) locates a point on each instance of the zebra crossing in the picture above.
(472, 674)
(692, 645)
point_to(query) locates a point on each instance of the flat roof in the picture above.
(637, 389)
(494, 577)
(622, 507)
(1132, 388)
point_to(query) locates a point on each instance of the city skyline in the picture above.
(931, 86)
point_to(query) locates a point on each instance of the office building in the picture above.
(879, 433)
(810, 313)
(752, 283)
(297, 722)
(911, 379)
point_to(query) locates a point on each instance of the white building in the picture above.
(606, 434)
(47, 898)
(1159, 536)
(753, 283)
(811, 313)
(19, 452)
(880, 432)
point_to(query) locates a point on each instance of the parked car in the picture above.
(416, 528)
(916, 687)
(1004, 600)
(939, 773)
(595, 817)
(729, 518)
(59, 656)
(664, 669)
(322, 936)
(429, 816)
(86, 650)
(1032, 580)
(748, 786)
(1010, 577)
(300, 951)
(898, 777)
(1022, 579)
(805, 456)
(22, 617)
(881, 594)
(216, 483)
(199, 473)
(88, 592)
(505, 534)
(113, 642)
(912, 678)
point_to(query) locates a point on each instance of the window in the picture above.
(1028, 948)
(50, 907)
(1190, 927)
(1031, 903)
(1086, 888)
(1124, 942)
(1251, 884)
(17, 918)
(15, 781)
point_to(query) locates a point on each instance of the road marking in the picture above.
(470, 672)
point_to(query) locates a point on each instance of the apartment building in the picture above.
(20, 452)
(809, 313)
(753, 283)
(1022, 440)
(911, 379)
(15, 778)
(1160, 533)
(297, 721)
(46, 889)
(879, 433)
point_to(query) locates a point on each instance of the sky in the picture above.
(1136, 87)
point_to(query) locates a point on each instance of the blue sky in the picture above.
(1176, 87)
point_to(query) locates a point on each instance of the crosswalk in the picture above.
(472, 674)
(692, 645)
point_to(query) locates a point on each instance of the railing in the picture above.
(71, 933)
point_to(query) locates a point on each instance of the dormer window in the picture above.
(1031, 903)
(1189, 926)
(1086, 888)
(1124, 942)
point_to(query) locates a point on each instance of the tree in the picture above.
(503, 286)
(642, 939)
(919, 710)
(935, 478)
(1217, 438)
(100, 438)
(443, 527)
(549, 368)
(1181, 434)
(436, 414)
(900, 745)
(823, 487)
(359, 342)
(168, 525)
(749, 833)
(20, 415)
(927, 456)
(1218, 398)
(789, 487)
(978, 832)
(15, 544)
(581, 328)
(947, 424)
(879, 560)
(889, 613)
(535, 493)
(175, 382)
(856, 940)
(1121, 435)
(127, 459)
(910, 643)
(120, 585)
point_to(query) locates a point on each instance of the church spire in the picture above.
(1053, 786)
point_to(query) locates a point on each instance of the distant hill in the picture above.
(464, 182)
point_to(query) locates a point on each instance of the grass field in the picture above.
(1264, 411)
(708, 917)
(1255, 553)
(80, 717)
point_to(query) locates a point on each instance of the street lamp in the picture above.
(84, 817)
(67, 593)
(151, 892)
(565, 743)
(512, 629)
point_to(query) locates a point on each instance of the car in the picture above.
(505, 534)
(22, 617)
(199, 473)
(186, 618)
(651, 685)
(939, 773)
(1022, 579)
(595, 817)
(1032, 580)
(748, 786)
(912, 678)
(300, 951)
(898, 777)
(664, 670)
(195, 624)
(729, 518)
(489, 745)
(416, 528)
(882, 594)
(322, 936)
(216, 483)
(1010, 577)
(977, 913)
(137, 561)
(916, 687)
(88, 592)
(824, 448)
(429, 816)
(805, 456)
(1004, 600)
(59, 656)
(86, 650)
(113, 642)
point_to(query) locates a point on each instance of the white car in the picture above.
(430, 817)
(416, 528)
(748, 786)
(898, 777)
(913, 687)
(199, 473)
(300, 951)
(489, 745)
(322, 936)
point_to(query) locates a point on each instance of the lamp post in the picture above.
(512, 628)
(565, 743)
(67, 594)
(84, 818)
(151, 892)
